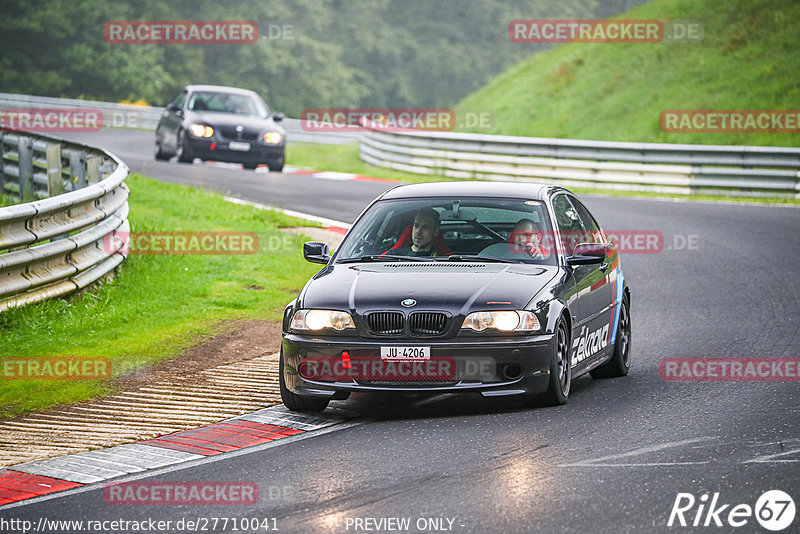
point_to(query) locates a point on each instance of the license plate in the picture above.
(405, 353)
(241, 147)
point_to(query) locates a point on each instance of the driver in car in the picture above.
(426, 227)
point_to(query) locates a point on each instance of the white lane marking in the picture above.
(334, 175)
(291, 213)
(645, 464)
(642, 450)
(770, 458)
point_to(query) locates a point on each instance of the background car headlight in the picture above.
(201, 130)
(321, 319)
(504, 321)
(273, 138)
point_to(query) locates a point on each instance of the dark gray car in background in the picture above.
(214, 122)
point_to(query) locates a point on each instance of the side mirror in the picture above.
(316, 252)
(278, 116)
(172, 107)
(587, 254)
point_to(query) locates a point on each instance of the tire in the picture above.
(251, 166)
(182, 151)
(620, 362)
(275, 166)
(159, 153)
(560, 368)
(296, 403)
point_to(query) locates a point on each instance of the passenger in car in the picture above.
(526, 237)
(525, 240)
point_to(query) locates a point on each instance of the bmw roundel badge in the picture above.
(408, 302)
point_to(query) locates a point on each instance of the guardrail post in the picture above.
(55, 185)
(25, 150)
(77, 170)
(2, 167)
(92, 171)
(105, 167)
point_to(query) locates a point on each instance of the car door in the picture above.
(591, 294)
(599, 298)
(171, 120)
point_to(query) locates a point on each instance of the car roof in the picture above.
(532, 191)
(220, 88)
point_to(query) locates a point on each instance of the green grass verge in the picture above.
(747, 59)
(345, 158)
(159, 305)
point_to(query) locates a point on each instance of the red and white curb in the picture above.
(289, 169)
(35, 479)
(334, 175)
(332, 225)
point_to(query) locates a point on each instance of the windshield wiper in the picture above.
(379, 257)
(487, 259)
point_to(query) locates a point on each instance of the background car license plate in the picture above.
(237, 145)
(405, 353)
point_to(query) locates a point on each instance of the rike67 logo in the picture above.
(774, 510)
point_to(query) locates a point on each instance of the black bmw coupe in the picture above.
(213, 122)
(494, 288)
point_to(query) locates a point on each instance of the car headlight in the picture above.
(272, 138)
(504, 321)
(201, 130)
(321, 319)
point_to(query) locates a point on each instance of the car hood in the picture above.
(455, 287)
(234, 119)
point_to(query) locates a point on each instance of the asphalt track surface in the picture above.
(612, 460)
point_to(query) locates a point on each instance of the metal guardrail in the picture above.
(656, 167)
(60, 243)
(147, 117)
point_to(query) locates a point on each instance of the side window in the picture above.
(594, 234)
(180, 99)
(569, 223)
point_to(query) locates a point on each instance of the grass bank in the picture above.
(160, 304)
(747, 59)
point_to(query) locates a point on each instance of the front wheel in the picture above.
(620, 362)
(160, 155)
(560, 368)
(294, 402)
(183, 152)
(275, 166)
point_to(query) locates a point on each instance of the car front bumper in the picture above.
(314, 366)
(258, 153)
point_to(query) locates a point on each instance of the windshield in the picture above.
(228, 103)
(442, 229)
